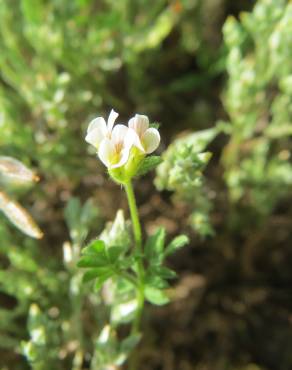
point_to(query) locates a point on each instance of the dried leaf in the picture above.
(13, 171)
(19, 216)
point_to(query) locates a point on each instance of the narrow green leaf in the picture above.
(154, 246)
(99, 272)
(96, 247)
(163, 272)
(176, 244)
(93, 261)
(156, 296)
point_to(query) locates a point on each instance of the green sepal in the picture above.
(148, 164)
(154, 125)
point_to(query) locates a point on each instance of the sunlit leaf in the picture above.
(156, 296)
(176, 244)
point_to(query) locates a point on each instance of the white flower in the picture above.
(98, 129)
(146, 139)
(114, 151)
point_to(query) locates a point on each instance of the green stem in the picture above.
(134, 215)
(138, 248)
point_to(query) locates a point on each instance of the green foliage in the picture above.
(116, 268)
(258, 100)
(64, 62)
(157, 274)
(44, 334)
(181, 172)
(103, 262)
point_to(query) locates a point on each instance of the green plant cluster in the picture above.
(182, 173)
(64, 62)
(114, 268)
(258, 100)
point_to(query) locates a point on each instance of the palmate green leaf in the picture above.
(154, 246)
(148, 164)
(177, 243)
(163, 272)
(156, 296)
(101, 261)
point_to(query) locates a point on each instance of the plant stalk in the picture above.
(138, 248)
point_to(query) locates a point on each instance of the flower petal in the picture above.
(130, 138)
(151, 140)
(111, 119)
(119, 133)
(106, 152)
(124, 156)
(94, 137)
(139, 123)
(135, 140)
(98, 122)
(96, 132)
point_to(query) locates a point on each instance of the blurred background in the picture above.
(215, 72)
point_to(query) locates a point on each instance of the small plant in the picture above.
(132, 270)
